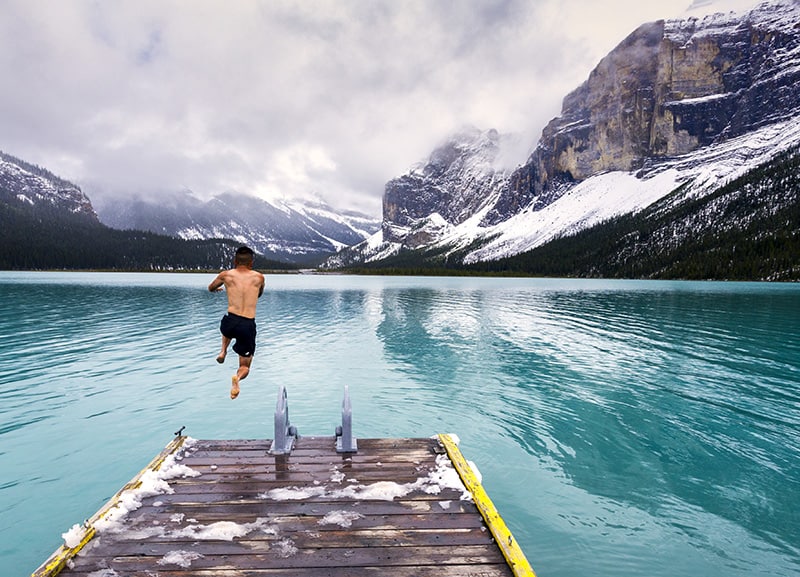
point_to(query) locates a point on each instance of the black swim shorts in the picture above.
(242, 330)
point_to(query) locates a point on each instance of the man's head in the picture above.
(244, 256)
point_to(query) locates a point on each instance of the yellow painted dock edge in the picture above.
(502, 535)
(58, 560)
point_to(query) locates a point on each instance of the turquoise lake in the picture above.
(625, 428)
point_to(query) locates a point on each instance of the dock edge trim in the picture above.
(502, 534)
(59, 559)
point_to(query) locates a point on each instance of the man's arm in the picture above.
(261, 286)
(216, 284)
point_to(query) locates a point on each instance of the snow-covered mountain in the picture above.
(290, 232)
(34, 187)
(297, 232)
(437, 198)
(47, 222)
(685, 105)
(461, 177)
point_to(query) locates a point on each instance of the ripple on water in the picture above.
(621, 428)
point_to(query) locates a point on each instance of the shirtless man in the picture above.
(244, 286)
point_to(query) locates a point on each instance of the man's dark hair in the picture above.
(244, 255)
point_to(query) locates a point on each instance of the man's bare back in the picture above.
(244, 286)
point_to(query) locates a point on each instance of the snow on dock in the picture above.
(239, 507)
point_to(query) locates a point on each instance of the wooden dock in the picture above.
(231, 508)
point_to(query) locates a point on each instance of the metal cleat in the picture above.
(285, 434)
(345, 441)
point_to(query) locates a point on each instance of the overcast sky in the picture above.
(289, 98)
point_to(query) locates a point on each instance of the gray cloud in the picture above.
(284, 99)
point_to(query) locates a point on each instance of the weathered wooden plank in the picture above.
(254, 494)
(472, 570)
(262, 459)
(270, 463)
(313, 441)
(307, 539)
(363, 477)
(274, 490)
(312, 448)
(253, 466)
(456, 518)
(309, 445)
(286, 556)
(262, 508)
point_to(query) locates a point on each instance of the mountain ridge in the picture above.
(294, 232)
(674, 114)
(755, 236)
(47, 222)
(676, 104)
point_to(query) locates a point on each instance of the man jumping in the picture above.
(244, 286)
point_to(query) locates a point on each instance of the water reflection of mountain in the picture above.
(640, 398)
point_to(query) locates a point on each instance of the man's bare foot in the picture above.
(234, 386)
(221, 358)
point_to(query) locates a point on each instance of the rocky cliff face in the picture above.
(460, 179)
(679, 106)
(669, 88)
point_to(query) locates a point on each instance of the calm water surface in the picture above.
(622, 428)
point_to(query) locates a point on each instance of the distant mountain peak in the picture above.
(459, 179)
(289, 231)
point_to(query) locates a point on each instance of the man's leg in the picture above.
(241, 373)
(225, 342)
